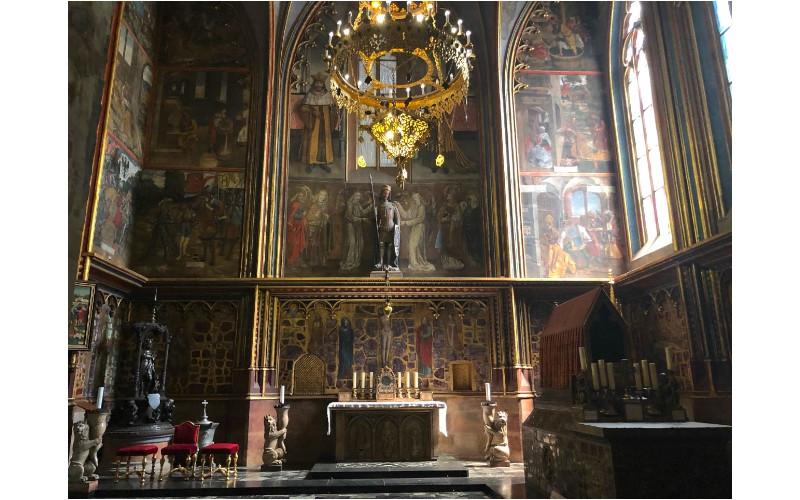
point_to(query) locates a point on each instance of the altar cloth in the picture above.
(382, 405)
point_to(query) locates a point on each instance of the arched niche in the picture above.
(321, 222)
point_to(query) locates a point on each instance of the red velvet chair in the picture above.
(140, 450)
(183, 445)
(231, 450)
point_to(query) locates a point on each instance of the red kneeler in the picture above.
(208, 452)
(141, 450)
(184, 444)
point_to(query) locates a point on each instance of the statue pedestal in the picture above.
(82, 490)
(382, 274)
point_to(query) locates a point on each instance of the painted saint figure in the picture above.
(296, 226)
(355, 214)
(319, 238)
(541, 154)
(317, 147)
(388, 219)
(425, 348)
(345, 349)
(414, 217)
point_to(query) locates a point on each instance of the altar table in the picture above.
(387, 430)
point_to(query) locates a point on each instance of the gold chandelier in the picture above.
(400, 68)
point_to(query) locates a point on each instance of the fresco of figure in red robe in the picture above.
(425, 348)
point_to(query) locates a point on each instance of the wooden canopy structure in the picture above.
(590, 320)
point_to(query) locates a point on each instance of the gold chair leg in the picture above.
(228, 467)
(116, 472)
(153, 468)
(202, 468)
(144, 469)
(128, 468)
(161, 471)
(235, 462)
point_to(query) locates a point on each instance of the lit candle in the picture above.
(399, 380)
(363, 379)
(645, 375)
(582, 355)
(416, 380)
(469, 34)
(408, 379)
(488, 388)
(339, 28)
(459, 27)
(446, 17)
(100, 391)
(422, 86)
(283, 394)
(408, 91)
(653, 376)
(595, 378)
(612, 384)
(330, 38)
(668, 354)
(370, 380)
(355, 379)
(601, 365)
(637, 377)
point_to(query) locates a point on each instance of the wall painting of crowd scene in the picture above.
(570, 208)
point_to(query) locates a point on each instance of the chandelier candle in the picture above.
(488, 388)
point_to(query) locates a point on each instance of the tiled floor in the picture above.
(483, 482)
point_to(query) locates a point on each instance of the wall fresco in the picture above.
(132, 88)
(113, 222)
(570, 208)
(201, 120)
(331, 229)
(441, 204)
(188, 223)
(419, 340)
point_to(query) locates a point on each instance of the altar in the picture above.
(387, 430)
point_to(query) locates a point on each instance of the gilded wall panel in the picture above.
(420, 336)
(658, 321)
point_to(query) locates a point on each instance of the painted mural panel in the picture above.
(330, 223)
(562, 124)
(202, 34)
(331, 229)
(201, 120)
(571, 39)
(133, 79)
(416, 339)
(570, 209)
(141, 19)
(88, 39)
(113, 221)
(189, 223)
(571, 226)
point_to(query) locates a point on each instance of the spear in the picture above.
(375, 212)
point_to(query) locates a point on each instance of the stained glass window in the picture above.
(724, 25)
(651, 195)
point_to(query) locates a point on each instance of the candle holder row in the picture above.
(625, 391)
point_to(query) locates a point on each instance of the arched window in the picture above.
(724, 26)
(651, 196)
